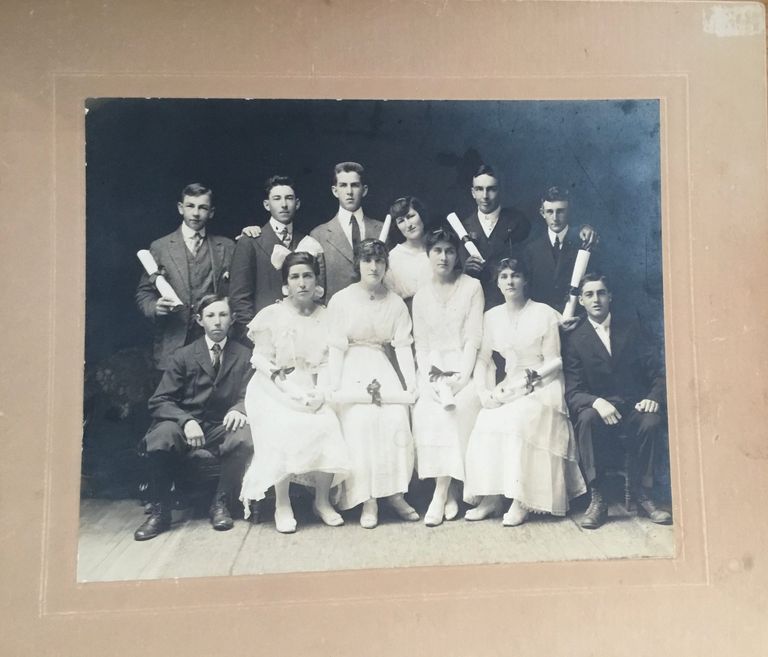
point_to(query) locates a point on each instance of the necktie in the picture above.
(197, 241)
(556, 248)
(285, 236)
(355, 234)
(216, 349)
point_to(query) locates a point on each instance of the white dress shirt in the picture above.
(278, 228)
(603, 331)
(488, 221)
(344, 219)
(189, 236)
(560, 235)
(210, 344)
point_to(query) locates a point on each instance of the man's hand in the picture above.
(608, 412)
(250, 231)
(569, 324)
(647, 406)
(588, 235)
(193, 434)
(234, 420)
(474, 266)
(165, 306)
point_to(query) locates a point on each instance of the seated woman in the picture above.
(447, 329)
(522, 446)
(408, 263)
(366, 316)
(293, 431)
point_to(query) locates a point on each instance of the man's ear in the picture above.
(180, 208)
(199, 320)
(298, 203)
(365, 190)
(211, 212)
(541, 213)
(334, 191)
(265, 202)
(581, 301)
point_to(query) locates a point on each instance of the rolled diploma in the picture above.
(579, 269)
(385, 229)
(515, 390)
(292, 390)
(444, 395)
(163, 286)
(458, 227)
(361, 396)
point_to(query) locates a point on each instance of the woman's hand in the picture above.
(456, 382)
(488, 399)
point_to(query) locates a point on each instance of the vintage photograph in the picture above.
(327, 335)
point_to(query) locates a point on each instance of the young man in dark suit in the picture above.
(195, 263)
(254, 281)
(551, 256)
(340, 236)
(199, 404)
(615, 388)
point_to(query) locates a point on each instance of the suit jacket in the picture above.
(550, 280)
(337, 268)
(170, 253)
(190, 389)
(254, 283)
(511, 229)
(633, 371)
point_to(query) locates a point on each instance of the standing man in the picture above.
(199, 404)
(255, 283)
(551, 256)
(195, 263)
(341, 235)
(615, 388)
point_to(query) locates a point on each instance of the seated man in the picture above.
(614, 386)
(199, 404)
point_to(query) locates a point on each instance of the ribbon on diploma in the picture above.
(435, 373)
(374, 390)
(461, 232)
(155, 275)
(525, 383)
(579, 269)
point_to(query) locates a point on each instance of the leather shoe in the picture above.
(159, 521)
(655, 514)
(219, 513)
(597, 512)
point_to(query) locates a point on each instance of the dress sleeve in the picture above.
(401, 335)
(486, 345)
(337, 323)
(260, 332)
(550, 345)
(420, 327)
(473, 328)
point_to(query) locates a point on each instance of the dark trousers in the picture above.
(598, 443)
(165, 446)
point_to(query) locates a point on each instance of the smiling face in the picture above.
(596, 300)
(301, 283)
(555, 214)
(411, 225)
(196, 211)
(512, 284)
(282, 203)
(442, 258)
(350, 190)
(372, 270)
(485, 191)
(215, 319)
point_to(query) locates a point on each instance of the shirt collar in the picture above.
(345, 215)
(605, 326)
(491, 217)
(278, 227)
(210, 343)
(188, 233)
(561, 235)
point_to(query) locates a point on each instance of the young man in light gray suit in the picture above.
(195, 263)
(348, 228)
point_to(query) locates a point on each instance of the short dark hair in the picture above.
(196, 189)
(370, 248)
(555, 194)
(442, 235)
(518, 266)
(402, 206)
(349, 167)
(207, 300)
(274, 181)
(485, 170)
(299, 258)
(593, 277)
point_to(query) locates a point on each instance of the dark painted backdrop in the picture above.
(141, 152)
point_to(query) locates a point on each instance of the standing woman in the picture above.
(522, 446)
(294, 432)
(409, 266)
(366, 316)
(447, 329)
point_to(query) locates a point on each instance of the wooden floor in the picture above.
(108, 552)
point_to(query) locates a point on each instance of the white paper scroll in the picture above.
(385, 229)
(361, 396)
(445, 397)
(579, 269)
(307, 245)
(508, 391)
(458, 227)
(163, 286)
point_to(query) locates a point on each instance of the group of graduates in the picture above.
(333, 361)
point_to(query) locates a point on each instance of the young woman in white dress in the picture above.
(409, 266)
(366, 316)
(447, 330)
(522, 445)
(294, 432)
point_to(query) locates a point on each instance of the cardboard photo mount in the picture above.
(704, 61)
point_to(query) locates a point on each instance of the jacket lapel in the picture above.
(177, 251)
(595, 343)
(217, 259)
(204, 358)
(619, 335)
(227, 359)
(338, 240)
